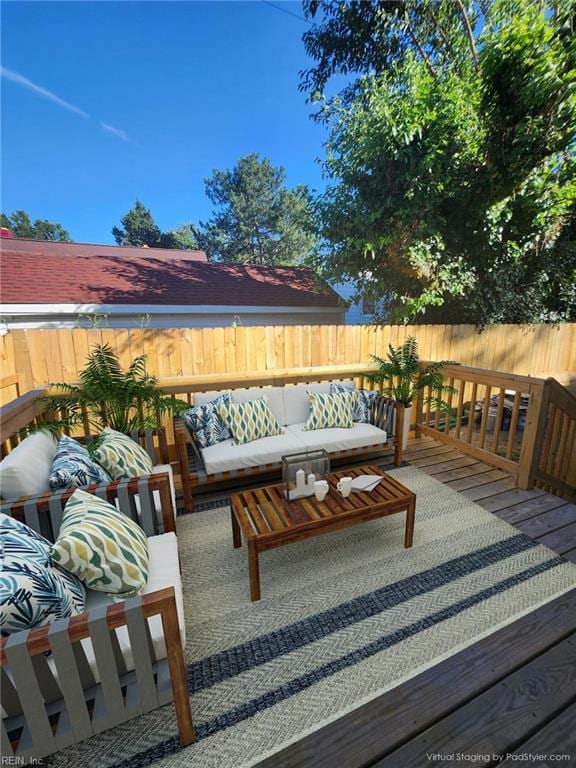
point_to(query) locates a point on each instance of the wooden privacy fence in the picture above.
(38, 357)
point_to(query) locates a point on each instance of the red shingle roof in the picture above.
(58, 274)
(49, 248)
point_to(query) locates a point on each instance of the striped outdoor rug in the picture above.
(343, 617)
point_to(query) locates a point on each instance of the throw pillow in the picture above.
(363, 402)
(102, 546)
(121, 456)
(206, 424)
(250, 420)
(73, 466)
(33, 591)
(330, 410)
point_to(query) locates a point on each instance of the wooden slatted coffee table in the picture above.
(268, 520)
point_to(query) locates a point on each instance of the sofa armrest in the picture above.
(387, 414)
(382, 414)
(37, 687)
(44, 513)
(184, 439)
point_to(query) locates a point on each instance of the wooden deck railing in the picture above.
(186, 387)
(554, 469)
(23, 411)
(523, 425)
(17, 415)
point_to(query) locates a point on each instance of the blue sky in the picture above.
(151, 97)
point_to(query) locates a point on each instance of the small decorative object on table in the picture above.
(301, 470)
(366, 483)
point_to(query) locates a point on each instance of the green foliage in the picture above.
(454, 189)
(139, 228)
(23, 227)
(257, 220)
(110, 397)
(92, 320)
(183, 237)
(409, 378)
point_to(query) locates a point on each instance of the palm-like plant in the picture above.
(108, 396)
(406, 378)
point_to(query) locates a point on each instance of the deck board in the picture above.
(560, 730)
(503, 715)
(512, 692)
(386, 724)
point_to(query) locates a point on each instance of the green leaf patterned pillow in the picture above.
(121, 457)
(250, 420)
(330, 410)
(102, 546)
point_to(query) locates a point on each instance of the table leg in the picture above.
(254, 571)
(410, 515)
(236, 533)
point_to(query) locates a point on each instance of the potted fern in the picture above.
(108, 396)
(405, 378)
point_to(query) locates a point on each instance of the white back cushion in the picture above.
(297, 401)
(205, 397)
(25, 471)
(290, 404)
(274, 395)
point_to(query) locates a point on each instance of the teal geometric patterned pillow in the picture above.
(121, 457)
(33, 591)
(363, 402)
(205, 423)
(250, 420)
(104, 548)
(73, 467)
(330, 410)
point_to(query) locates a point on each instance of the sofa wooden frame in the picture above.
(48, 711)
(194, 477)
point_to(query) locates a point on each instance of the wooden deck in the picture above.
(540, 515)
(507, 696)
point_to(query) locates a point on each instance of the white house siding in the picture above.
(355, 314)
(152, 317)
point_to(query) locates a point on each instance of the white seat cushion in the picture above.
(26, 469)
(227, 456)
(164, 571)
(337, 439)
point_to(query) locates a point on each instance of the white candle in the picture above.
(311, 480)
(300, 481)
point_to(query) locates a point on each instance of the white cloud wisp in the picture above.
(24, 82)
(15, 77)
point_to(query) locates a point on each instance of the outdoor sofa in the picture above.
(26, 469)
(226, 463)
(63, 682)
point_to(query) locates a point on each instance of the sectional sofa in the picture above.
(65, 681)
(227, 463)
